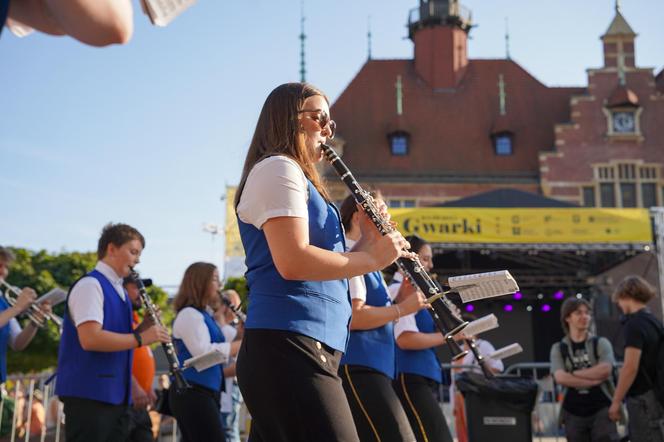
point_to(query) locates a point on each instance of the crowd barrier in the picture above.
(29, 411)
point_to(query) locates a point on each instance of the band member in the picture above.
(196, 333)
(143, 370)
(95, 356)
(643, 337)
(368, 366)
(232, 328)
(11, 332)
(418, 370)
(299, 308)
(583, 364)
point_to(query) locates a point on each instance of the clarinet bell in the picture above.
(455, 349)
(450, 322)
(180, 382)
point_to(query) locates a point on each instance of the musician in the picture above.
(368, 366)
(96, 348)
(11, 332)
(418, 370)
(142, 371)
(299, 308)
(195, 333)
(232, 328)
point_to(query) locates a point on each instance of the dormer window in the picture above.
(502, 143)
(399, 143)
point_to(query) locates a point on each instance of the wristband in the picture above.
(139, 340)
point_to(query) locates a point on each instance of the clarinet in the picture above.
(481, 360)
(443, 310)
(236, 310)
(174, 365)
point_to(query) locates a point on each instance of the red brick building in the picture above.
(440, 126)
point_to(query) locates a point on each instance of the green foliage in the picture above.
(43, 271)
(239, 284)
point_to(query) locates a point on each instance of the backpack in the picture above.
(658, 383)
(564, 351)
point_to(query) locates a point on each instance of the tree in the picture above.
(239, 284)
(44, 271)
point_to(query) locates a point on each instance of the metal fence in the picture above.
(30, 412)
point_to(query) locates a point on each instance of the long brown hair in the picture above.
(278, 133)
(193, 291)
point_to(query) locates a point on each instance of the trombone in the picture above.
(35, 312)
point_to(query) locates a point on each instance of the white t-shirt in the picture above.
(485, 349)
(275, 186)
(406, 323)
(86, 300)
(189, 326)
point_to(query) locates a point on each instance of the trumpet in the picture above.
(35, 312)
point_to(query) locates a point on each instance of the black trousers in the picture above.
(290, 385)
(376, 409)
(418, 397)
(140, 425)
(94, 421)
(198, 413)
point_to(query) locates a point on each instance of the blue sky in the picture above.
(151, 133)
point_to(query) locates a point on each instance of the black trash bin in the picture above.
(497, 409)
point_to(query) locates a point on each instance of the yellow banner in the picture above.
(233, 241)
(525, 225)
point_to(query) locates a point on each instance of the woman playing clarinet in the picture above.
(195, 332)
(299, 307)
(418, 370)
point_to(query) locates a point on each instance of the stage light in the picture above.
(508, 307)
(559, 295)
(518, 296)
(529, 308)
(470, 307)
(579, 296)
(540, 296)
(546, 308)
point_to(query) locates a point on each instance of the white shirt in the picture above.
(406, 323)
(275, 186)
(86, 300)
(229, 333)
(484, 348)
(14, 329)
(189, 325)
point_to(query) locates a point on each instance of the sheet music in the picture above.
(55, 296)
(506, 351)
(205, 361)
(485, 323)
(483, 285)
(162, 12)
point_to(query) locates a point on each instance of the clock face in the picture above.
(623, 122)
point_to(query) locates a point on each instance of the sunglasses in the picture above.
(323, 121)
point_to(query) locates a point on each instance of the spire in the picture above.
(618, 6)
(507, 39)
(369, 38)
(502, 96)
(399, 90)
(303, 70)
(618, 42)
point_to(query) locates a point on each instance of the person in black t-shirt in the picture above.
(642, 336)
(583, 364)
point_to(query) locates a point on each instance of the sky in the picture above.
(152, 132)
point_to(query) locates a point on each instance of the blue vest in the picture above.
(212, 377)
(318, 309)
(102, 376)
(373, 348)
(4, 341)
(421, 362)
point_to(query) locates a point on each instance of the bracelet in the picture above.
(398, 312)
(139, 340)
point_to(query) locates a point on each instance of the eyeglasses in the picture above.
(323, 121)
